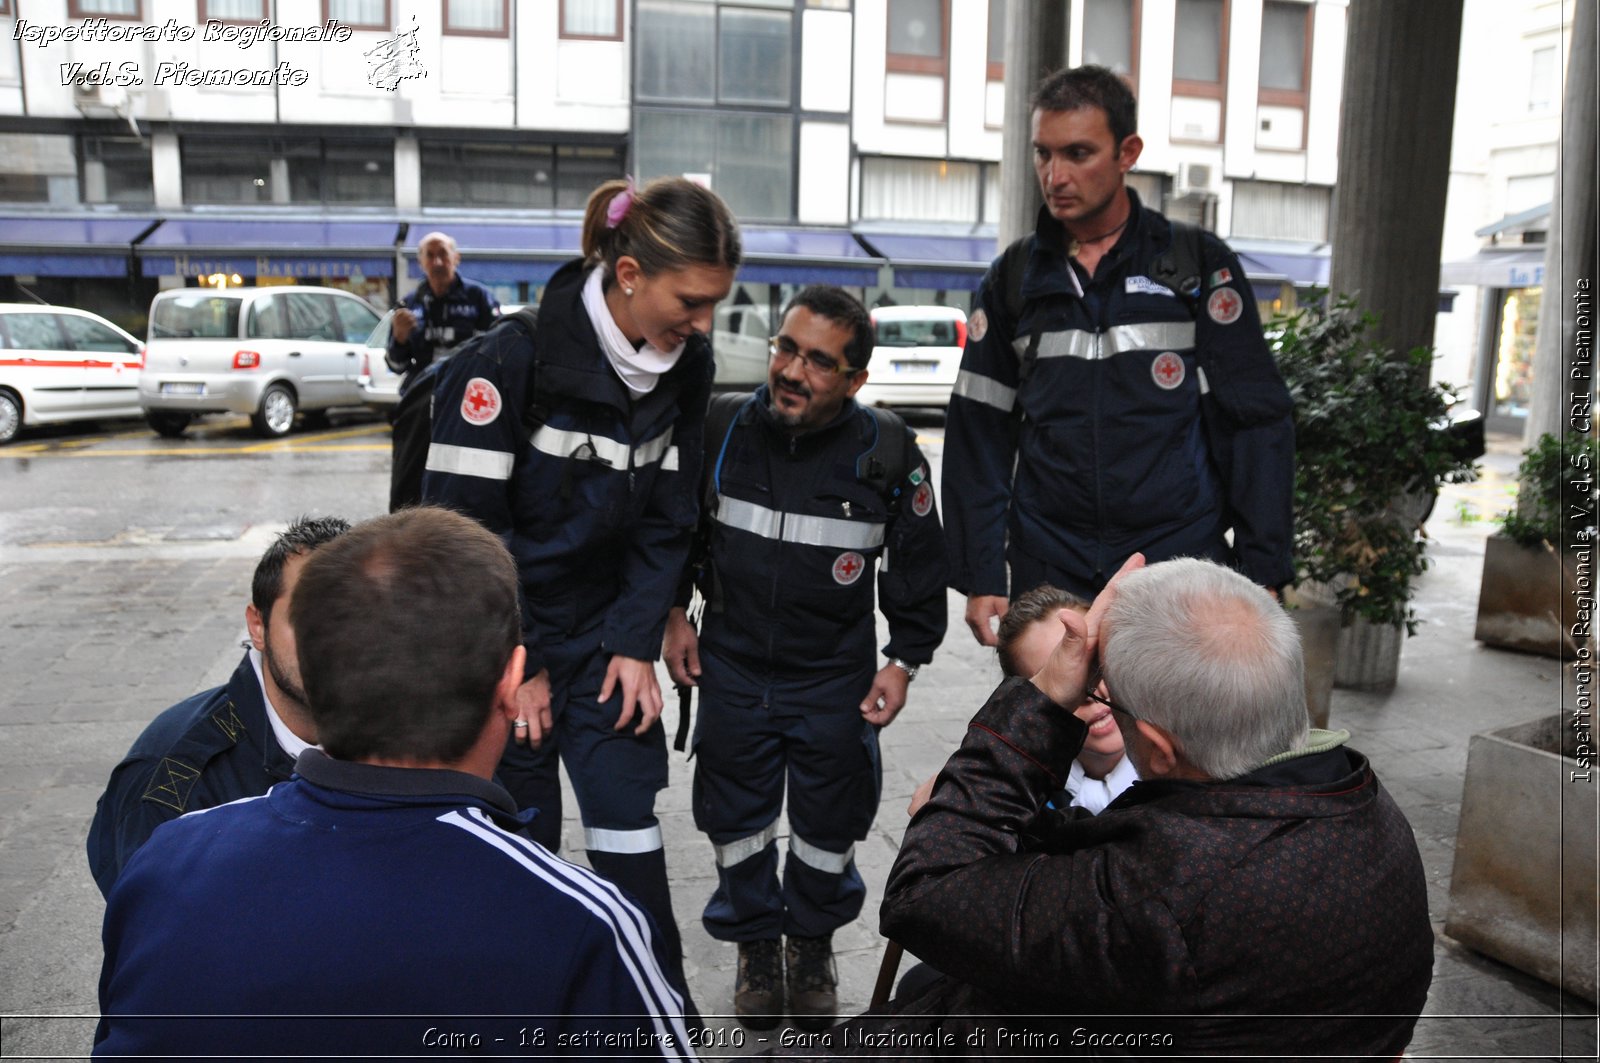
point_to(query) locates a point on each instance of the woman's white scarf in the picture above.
(639, 369)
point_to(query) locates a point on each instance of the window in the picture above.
(750, 157)
(116, 170)
(515, 174)
(358, 14)
(87, 334)
(356, 319)
(308, 170)
(121, 9)
(1542, 80)
(693, 52)
(35, 332)
(477, 18)
(997, 40)
(240, 11)
(591, 20)
(37, 168)
(1285, 52)
(1111, 35)
(1275, 211)
(919, 190)
(917, 36)
(1200, 56)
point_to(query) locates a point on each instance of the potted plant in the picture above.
(1525, 568)
(1369, 457)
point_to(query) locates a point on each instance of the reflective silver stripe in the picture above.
(794, 528)
(470, 461)
(986, 390)
(1205, 385)
(821, 859)
(560, 443)
(737, 852)
(669, 461)
(653, 450)
(1090, 346)
(647, 840)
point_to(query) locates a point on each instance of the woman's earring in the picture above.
(627, 291)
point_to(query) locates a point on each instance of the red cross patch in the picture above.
(847, 567)
(481, 403)
(922, 499)
(1167, 370)
(1224, 306)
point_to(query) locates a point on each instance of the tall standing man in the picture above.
(232, 741)
(445, 310)
(1116, 394)
(807, 492)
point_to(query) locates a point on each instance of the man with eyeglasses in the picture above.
(1257, 893)
(807, 495)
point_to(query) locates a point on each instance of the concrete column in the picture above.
(1569, 254)
(1036, 45)
(166, 170)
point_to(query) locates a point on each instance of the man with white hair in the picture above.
(446, 310)
(1257, 892)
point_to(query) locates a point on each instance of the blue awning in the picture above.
(939, 261)
(501, 254)
(806, 256)
(303, 249)
(83, 246)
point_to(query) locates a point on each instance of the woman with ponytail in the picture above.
(578, 439)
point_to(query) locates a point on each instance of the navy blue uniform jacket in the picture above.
(1147, 423)
(443, 321)
(208, 750)
(595, 495)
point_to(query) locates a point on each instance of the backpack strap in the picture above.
(1013, 264)
(1181, 266)
(882, 465)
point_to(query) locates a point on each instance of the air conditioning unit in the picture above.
(100, 97)
(1195, 177)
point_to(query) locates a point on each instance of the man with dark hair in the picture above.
(1116, 393)
(445, 311)
(225, 743)
(394, 900)
(806, 491)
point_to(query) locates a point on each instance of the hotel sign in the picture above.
(266, 266)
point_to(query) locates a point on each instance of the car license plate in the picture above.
(183, 389)
(915, 368)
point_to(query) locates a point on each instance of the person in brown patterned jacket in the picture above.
(1257, 892)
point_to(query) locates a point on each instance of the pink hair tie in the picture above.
(618, 208)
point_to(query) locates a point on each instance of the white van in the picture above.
(917, 356)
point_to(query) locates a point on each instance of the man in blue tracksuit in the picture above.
(386, 900)
(1107, 404)
(446, 310)
(231, 741)
(808, 496)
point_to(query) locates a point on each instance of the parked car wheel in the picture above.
(10, 416)
(167, 425)
(276, 415)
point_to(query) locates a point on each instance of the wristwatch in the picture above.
(909, 669)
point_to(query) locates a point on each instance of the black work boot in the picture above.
(813, 982)
(758, 989)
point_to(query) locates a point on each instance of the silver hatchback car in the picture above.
(266, 352)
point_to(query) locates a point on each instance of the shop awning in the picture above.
(934, 260)
(308, 249)
(806, 256)
(69, 247)
(1517, 267)
(494, 253)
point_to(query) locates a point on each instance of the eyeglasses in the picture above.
(782, 348)
(1092, 693)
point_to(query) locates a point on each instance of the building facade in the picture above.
(152, 143)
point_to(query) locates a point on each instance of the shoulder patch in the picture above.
(922, 500)
(977, 325)
(1224, 306)
(228, 722)
(480, 403)
(171, 784)
(1146, 286)
(1219, 278)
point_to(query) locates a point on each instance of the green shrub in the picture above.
(1555, 481)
